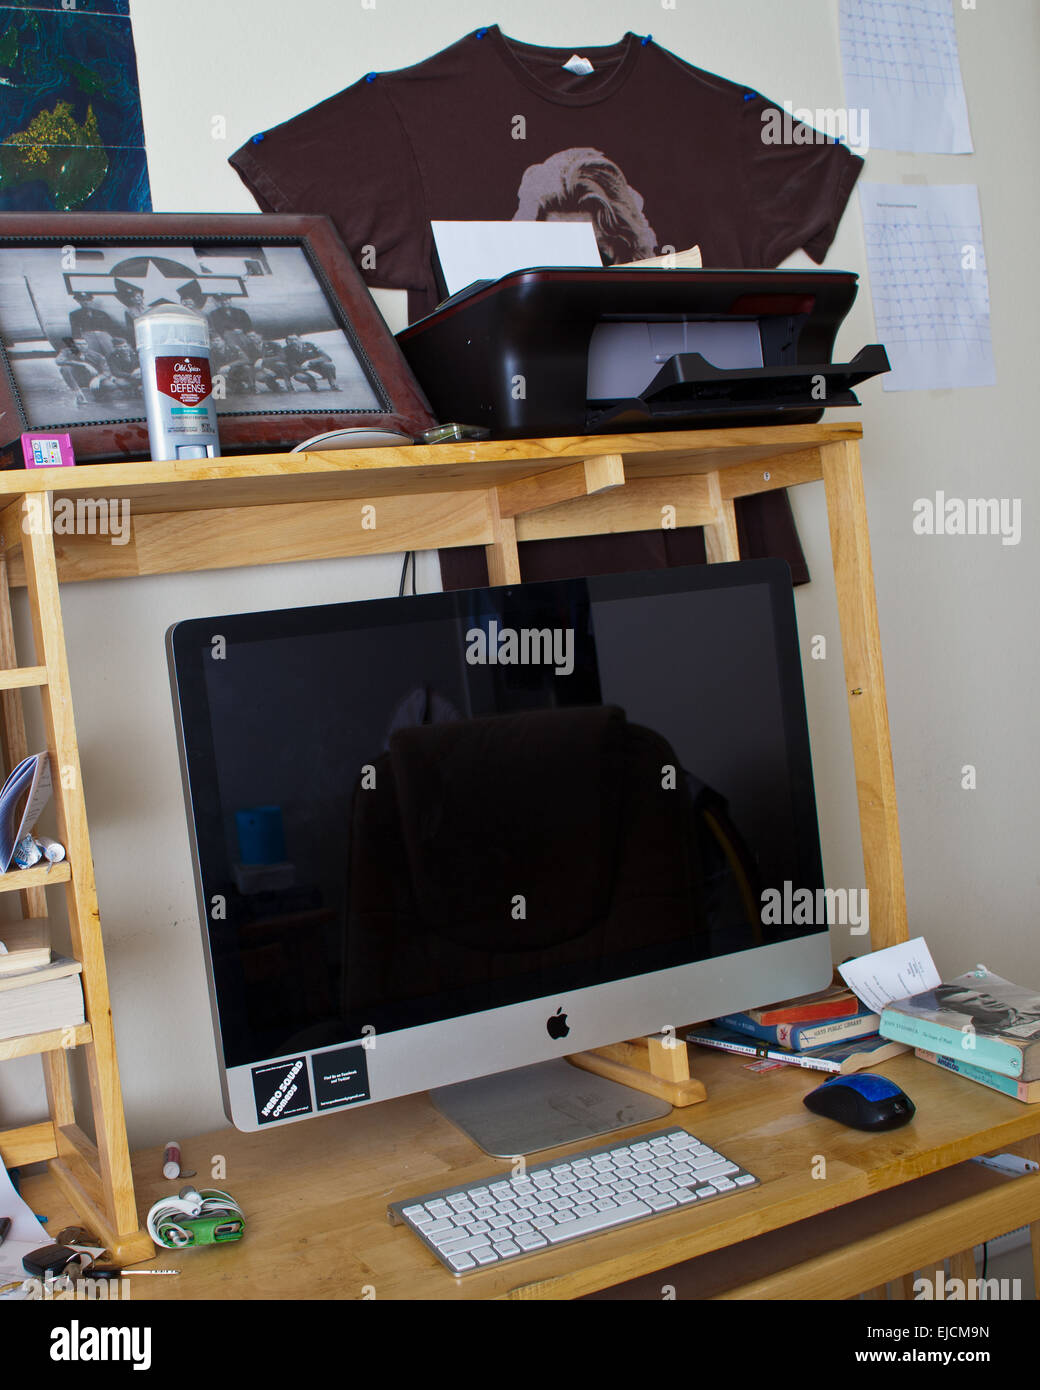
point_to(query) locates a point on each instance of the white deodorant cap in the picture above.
(171, 325)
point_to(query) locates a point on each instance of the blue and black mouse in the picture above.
(862, 1101)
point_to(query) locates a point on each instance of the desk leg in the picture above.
(962, 1266)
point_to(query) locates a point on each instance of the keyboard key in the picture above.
(599, 1221)
(461, 1262)
(437, 1227)
(484, 1255)
(722, 1184)
(715, 1170)
(531, 1242)
(507, 1247)
(743, 1181)
(706, 1192)
(659, 1201)
(464, 1243)
(545, 1223)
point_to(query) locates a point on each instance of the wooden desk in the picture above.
(315, 1197)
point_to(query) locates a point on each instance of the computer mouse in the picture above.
(862, 1101)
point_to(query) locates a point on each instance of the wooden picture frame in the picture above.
(309, 354)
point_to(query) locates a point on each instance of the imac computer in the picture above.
(455, 835)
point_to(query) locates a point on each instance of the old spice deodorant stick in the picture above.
(173, 347)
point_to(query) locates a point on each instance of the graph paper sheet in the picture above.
(929, 285)
(902, 66)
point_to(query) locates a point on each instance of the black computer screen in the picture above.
(406, 810)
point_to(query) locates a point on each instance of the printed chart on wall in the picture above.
(902, 66)
(71, 135)
(929, 284)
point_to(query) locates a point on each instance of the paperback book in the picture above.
(1027, 1091)
(803, 1036)
(843, 1058)
(836, 1001)
(978, 1018)
(42, 999)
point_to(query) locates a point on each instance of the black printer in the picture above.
(570, 352)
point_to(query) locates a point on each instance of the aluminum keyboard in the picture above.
(478, 1225)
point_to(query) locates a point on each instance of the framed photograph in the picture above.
(297, 346)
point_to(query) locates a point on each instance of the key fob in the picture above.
(49, 1261)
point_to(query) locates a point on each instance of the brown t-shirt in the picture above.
(659, 154)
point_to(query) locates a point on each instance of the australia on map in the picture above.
(71, 135)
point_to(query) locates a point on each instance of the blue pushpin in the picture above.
(481, 33)
(649, 39)
(750, 96)
(371, 76)
(257, 138)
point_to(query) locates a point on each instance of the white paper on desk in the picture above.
(903, 74)
(894, 973)
(26, 1234)
(471, 251)
(929, 284)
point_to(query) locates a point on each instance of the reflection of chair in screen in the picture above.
(519, 845)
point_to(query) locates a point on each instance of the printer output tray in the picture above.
(688, 385)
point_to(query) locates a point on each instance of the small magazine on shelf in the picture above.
(22, 799)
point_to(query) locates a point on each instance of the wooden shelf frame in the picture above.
(126, 520)
(95, 1176)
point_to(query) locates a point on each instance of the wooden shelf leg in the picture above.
(721, 543)
(503, 558)
(868, 711)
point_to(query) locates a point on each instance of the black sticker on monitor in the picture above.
(282, 1090)
(340, 1077)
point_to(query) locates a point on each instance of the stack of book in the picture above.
(37, 994)
(829, 1031)
(980, 1026)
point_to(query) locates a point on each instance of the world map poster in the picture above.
(71, 135)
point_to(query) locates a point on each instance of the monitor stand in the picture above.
(541, 1107)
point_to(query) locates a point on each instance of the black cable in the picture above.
(408, 555)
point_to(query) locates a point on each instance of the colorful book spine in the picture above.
(989, 1053)
(804, 1035)
(1026, 1091)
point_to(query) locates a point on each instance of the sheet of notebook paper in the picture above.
(902, 66)
(929, 284)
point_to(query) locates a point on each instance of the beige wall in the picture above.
(957, 614)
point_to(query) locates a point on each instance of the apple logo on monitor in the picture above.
(557, 1026)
